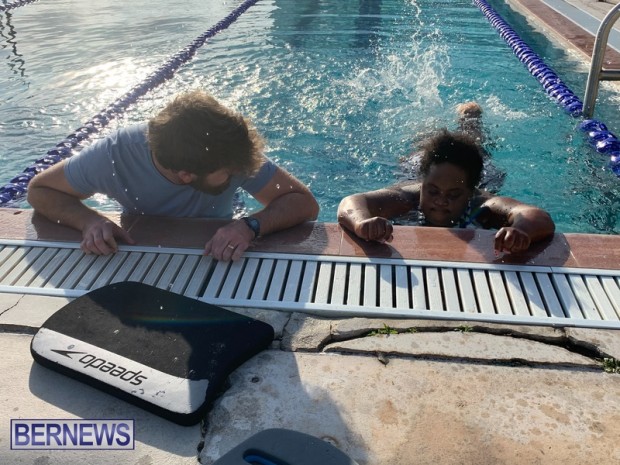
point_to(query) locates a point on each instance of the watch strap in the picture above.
(253, 224)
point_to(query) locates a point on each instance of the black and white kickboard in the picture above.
(162, 351)
(279, 446)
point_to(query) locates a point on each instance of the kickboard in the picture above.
(162, 351)
(279, 446)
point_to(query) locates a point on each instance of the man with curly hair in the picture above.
(187, 161)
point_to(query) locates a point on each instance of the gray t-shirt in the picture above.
(120, 166)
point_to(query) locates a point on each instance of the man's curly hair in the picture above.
(196, 133)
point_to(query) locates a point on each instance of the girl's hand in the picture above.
(375, 229)
(509, 239)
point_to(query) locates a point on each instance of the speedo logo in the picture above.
(97, 363)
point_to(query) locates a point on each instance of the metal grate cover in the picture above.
(328, 285)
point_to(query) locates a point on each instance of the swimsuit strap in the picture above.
(467, 219)
(470, 217)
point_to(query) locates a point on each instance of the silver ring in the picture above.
(232, 247)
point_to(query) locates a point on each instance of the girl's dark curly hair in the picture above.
(456, 148)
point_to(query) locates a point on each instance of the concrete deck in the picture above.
(574, 24)
(418, 392)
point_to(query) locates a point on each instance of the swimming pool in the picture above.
(339, 89)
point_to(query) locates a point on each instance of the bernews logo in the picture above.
(72, 434)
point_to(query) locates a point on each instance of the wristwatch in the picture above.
(253, 224)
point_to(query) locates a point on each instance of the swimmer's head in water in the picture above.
(455, 148)
(451, 167)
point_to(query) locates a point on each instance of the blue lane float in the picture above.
(598, 136)
(17, 186)
(17, 3)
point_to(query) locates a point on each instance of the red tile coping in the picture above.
(417, 243)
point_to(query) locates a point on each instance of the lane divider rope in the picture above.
(10, 6)
(601, 139)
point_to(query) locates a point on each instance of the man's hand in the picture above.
(230, 241)
(509, 239)
(375, 229)
(98, 237)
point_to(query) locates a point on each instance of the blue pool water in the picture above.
(340, 90)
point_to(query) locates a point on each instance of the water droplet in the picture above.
(277, 186)
(207, 149)
(116, 331)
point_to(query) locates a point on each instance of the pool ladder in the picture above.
(597, 72)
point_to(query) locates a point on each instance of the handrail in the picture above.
(597, 72)
(600, 138)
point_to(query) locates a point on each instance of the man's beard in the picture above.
(202, 186)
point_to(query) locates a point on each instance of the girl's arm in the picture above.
(519, 224)
(367, 214)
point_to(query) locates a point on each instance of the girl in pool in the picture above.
(450, 168)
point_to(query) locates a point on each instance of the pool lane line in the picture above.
(603, 140)
(18, 185)
(10, 6)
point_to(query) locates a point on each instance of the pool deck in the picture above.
(453, 392)
(574, 23)
(545, 396)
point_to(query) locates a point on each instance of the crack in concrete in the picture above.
(204, 426)
(385, 357)
(18, 329)
(556, 337)
(563, 341)
(12, 306)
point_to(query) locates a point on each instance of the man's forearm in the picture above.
(287, 211)
(61, 208)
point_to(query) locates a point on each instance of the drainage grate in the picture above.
(328, 285)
